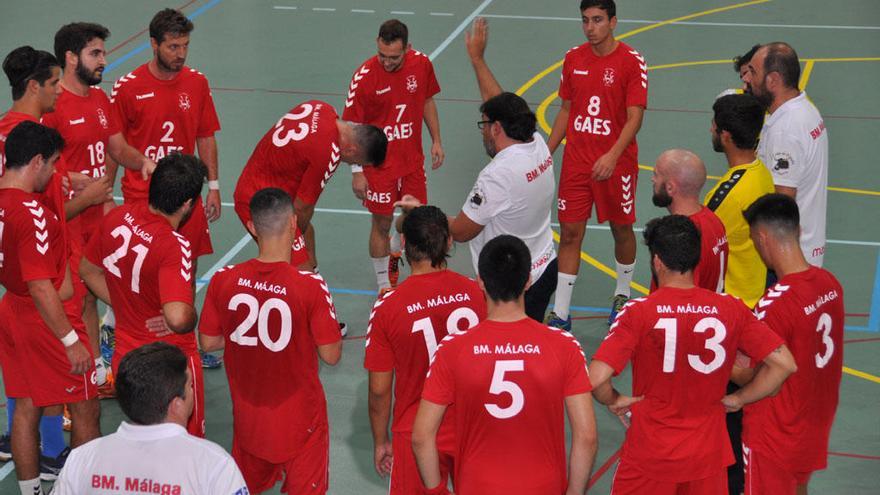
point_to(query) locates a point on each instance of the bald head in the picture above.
(685, 169)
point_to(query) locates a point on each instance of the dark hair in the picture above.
(267, 206)
(513, 113)
(782, 58)
(29, 139)
(372, 142)
(177, 179)
(426, 230)
(777, 211)
(149, 378)
(742, 116)
(75, 36)
(393, 30)
(504, 265)
(606, 5)
(740, 60)
(169, 21)
(676, 240)
(25, 63)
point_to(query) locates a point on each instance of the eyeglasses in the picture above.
(481, 124)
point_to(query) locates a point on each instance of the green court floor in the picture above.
(264, 56)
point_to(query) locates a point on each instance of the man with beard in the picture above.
(794, 142)
(678, 179)
(163, 107)
(514, 192)
(84, 118)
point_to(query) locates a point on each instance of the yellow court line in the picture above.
(541, 75)
(805, 75)
(602, 267)
(861, 374)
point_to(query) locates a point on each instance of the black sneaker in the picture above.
(5, 448)
(51, 466)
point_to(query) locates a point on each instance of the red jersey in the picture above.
(406, 325)
(600, 90)
(709, 273)
(682, 343)
(273, 316)
(146, 264)
(806, 309)
(395, 103)
(160, 117)
(299, 154)
(508, 382)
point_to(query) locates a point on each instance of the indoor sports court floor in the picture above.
(262, 57)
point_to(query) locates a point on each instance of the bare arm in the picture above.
(304, 213)
(180, 317)
(584, 442)
(557, 134)
(93, 276)
(124, 154)
(95, 193)
(788, 191)
(330, 353)
(51, 310)
(778, 365)
(207, 147)
(463, 228)
(432, 120)
(424, 442)
(380, 416)
(211, 343)
(605, 164)
(600, 378)
(475, 41)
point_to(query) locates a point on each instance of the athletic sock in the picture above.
(31, 487)
(395, 241)
(52, 435)
(624, 278)
(109, 318)
(10, 413)
(564, 289)
(380, 266)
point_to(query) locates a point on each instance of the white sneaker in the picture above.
(343, 329)
(100, 372)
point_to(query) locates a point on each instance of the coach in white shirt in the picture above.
(153, 453)
(514, 193)
(794, 141)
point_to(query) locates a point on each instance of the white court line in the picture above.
(323, 9)
(448, 14)
(688, 23)
(224, 260)
(6, 469)
(284, 7)
(363, 11)
(459, 29)
(402, 12)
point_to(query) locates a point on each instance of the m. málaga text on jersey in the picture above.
(508, 348)
(687, 308)
(534, 174)
(263, 286)
(832, 295)
(135, 485)
(147, 237)
(438, 301)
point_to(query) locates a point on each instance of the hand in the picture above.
(147, 168)
(109, 205)
(359, 185)
(622, 407)
(437, 155)
(383, 459)
(742, 360)
(212, 205)
(79, 357)
(158, 326)
(407, 203)
(475, 40)
(98, 191)
(732, 403)
(77, 182)
(65, 186)
(604, 166)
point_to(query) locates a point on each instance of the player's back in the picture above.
(510, 382)
(305, 139)
(408, 323)
(714, 252)
(807, 310)
(682, 343)
(146, 264)
(273, 316)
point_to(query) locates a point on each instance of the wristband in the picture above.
(357, 169)
(70, 339)
(213, 185)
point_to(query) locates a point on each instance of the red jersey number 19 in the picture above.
(260, 315)
(425, 326)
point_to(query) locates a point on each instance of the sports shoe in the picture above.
(394, 268)
(108, 343)
(51, 466)
(101, 369)
(343, 329)
(5, 448)
(556, 322)
(66, 423)
(616, 305)
(108, 389)
(210, 361)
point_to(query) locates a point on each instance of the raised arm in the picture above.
(475, 40)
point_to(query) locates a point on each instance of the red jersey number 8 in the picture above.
(300, 130)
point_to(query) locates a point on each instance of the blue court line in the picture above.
(143, 46)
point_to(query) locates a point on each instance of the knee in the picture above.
(382, 223)
(571, 234)
(622, 232)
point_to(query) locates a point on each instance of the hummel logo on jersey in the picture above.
(383, 91)
(81, 120)
(70, 389)
(581, 72)
(145, 96)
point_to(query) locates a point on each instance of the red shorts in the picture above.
(765, 476)
(13, 377)
(614, 198)
(298, 253)
(628, 480)
(405, 478)
(196, 424)
(383, 191)
(306, 472)
(195, 229)
(39, 359)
